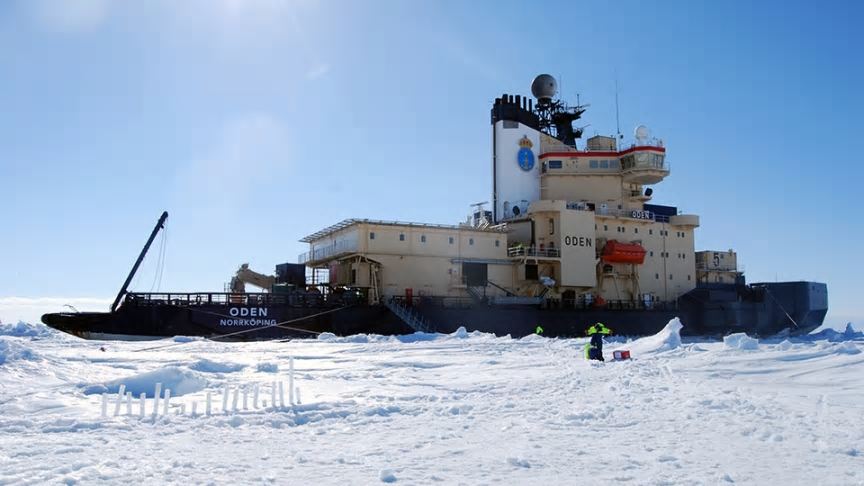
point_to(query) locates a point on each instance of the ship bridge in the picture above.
(644, 164)
(639, 164)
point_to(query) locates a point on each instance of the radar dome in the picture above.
(641, 133)
(544, 87)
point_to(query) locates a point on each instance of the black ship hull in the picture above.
(759, 310)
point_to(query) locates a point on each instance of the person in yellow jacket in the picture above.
(597, 331)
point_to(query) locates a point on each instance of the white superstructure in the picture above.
(571, 224)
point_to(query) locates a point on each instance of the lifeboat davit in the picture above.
(617, 252)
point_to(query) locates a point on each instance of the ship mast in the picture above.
(159, 225)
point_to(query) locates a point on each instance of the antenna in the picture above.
(560, 83)
(617, 120)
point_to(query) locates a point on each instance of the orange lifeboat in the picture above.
(617, 252)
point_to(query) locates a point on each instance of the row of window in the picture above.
(593, 164)
(665, 254)
(628, 162)
(657, 277)
(623, 229)
(620, 229)
(603, 164)
(642, 160)
(423, 239)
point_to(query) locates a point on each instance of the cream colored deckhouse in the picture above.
(570, 224)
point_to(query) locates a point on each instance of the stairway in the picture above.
(477, 293)
(408, 315)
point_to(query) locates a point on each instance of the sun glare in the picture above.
(233, 7)
(260, 7)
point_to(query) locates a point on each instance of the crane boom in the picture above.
(159, 225)
(245, 275)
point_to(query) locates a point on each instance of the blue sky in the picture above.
(256, 123)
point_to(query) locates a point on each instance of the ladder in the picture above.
(376, 294)
(408, 315)
(477, 293)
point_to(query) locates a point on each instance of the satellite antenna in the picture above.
(641, 134)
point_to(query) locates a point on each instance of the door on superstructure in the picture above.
(568, 299)
(476, 274)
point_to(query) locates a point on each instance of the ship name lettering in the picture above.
(247, 322)
(248, 312)
(637, 214)
(578, 241)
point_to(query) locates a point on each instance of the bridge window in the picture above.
(371, 235)
(613, 164)
(555, 164)
(593, 164)
(604, 164)
(628, 162)
(402, 237)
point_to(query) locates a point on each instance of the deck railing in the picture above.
(710, 267)
(344, 246)
(516, 251)
(313, 299)
(264, 299)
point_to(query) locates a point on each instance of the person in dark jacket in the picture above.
(597, 331)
